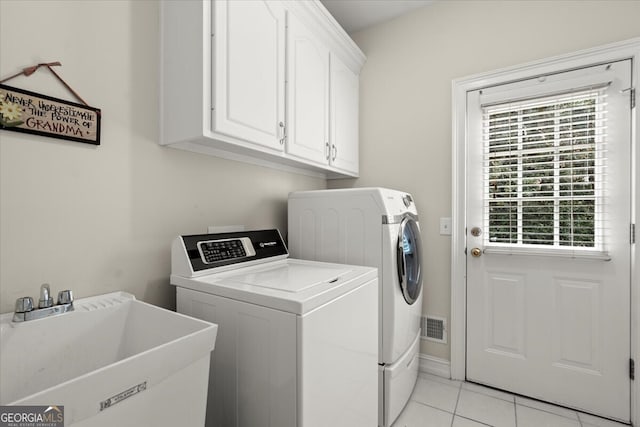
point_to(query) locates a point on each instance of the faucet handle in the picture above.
(24, 305)
(65, 297)
(45, 296)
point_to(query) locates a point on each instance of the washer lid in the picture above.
(291, 285)
(289, 277)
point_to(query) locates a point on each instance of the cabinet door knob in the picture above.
(335, 152)
(327, 150)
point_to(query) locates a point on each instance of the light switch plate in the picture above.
(445, 226)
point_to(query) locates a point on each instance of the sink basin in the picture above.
(112, 361)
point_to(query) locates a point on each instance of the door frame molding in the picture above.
(628, 49)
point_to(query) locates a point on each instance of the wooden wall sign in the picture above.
(30, 112)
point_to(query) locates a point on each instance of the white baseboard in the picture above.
(434, 366)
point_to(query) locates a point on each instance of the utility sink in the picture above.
(112, 361)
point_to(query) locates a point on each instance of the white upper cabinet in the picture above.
(322, 100)
(267, 82)
(344, 116)
(249, 77)
(308, 94)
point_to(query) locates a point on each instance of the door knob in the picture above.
(476, 252)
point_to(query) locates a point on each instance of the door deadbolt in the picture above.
(476, 252)
(476, 231)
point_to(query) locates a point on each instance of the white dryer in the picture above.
(297, 340)
(374, 227)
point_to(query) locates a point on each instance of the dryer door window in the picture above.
(409, 258)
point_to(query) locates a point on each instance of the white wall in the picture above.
(99, 219)
(405, 87)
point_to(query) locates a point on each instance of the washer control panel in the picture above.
(225, 249)
(211, 252)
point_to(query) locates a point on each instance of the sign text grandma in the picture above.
(29, 112)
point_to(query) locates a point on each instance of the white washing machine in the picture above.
(375, 227)
(297, 340)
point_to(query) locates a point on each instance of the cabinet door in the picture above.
(249, 58)
(344, 116)
(308, 94)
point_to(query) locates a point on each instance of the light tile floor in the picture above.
(439, 402)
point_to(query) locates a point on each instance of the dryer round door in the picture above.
(409, 253)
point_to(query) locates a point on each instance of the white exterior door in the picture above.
(548, 241)
(308, 94)
(249, 52)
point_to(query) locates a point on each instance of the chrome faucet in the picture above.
(25, 311)
(45, 296)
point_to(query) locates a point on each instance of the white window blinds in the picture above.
(544, 167)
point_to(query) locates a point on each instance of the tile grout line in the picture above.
(513, 399)
(455, 408)
(494, 396)
(422, 403)
(552, 413)
(475, 421)
(425, 404)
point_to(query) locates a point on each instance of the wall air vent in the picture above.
(434, 328)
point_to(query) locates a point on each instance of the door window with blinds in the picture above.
(545, 165)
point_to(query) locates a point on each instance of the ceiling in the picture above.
(355, 15)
